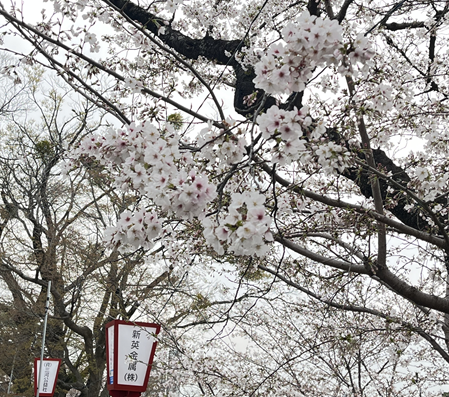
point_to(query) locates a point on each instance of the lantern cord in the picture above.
(47, 304)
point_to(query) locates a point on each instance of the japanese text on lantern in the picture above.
(135, 345)
(46, 380)
(132, 376)
(46, 377)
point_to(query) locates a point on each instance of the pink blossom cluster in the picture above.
(245, 229)
(190, 195)
(361, 51)
(331, 157)
(309, 43)
(222, 147)
(134, 230)
(286, 127)
(172, 5)
(134, 85)
(148, 161)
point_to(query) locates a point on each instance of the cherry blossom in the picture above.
(141, 160)
(246, 228)
(329, 182)
(310, 42)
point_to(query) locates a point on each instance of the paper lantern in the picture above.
(130, 348)
(50, 369)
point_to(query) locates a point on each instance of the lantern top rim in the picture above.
(136, 323)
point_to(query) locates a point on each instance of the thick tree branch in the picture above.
(343, 10)
(360, 309)
(394, 26)
(398, 226)
(381, 273)
(178, 60)
(334, 263)
(374, 181)
(212, 49)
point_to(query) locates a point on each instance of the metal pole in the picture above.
(47, 304)
(12, 374)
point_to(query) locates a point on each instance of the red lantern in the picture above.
(50, 370)
(130, 348)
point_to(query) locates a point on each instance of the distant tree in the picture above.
(51, 230)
